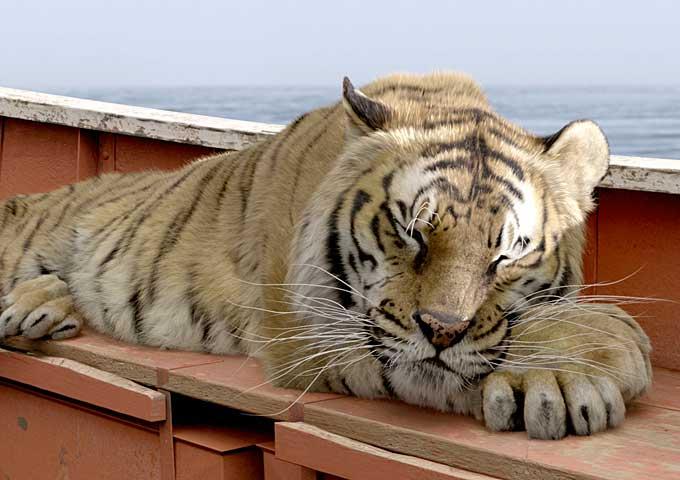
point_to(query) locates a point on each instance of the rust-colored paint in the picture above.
(220, 447)
(166, 441)
(134, 154)
(276, 469)
(56, 440)
(104, 391)
(38, 157)
(243, 464)
(86, 154)
(106, 161)
(196, 463)
(638, 240)
(590, 253)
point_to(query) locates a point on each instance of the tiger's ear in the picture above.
(581, 152)
(364, 115)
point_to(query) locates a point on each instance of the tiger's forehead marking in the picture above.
(468, 178)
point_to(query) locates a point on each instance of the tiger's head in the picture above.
(440, 222)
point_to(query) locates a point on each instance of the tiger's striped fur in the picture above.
(382, 246)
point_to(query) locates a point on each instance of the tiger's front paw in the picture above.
(39, 307)
(571, 373)
(547, 405)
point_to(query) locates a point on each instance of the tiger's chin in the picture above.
(432, 383)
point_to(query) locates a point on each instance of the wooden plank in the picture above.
(239, 382)
(138, 363)
(452, 440)
(646, 446)
(222, 439)
(277, 469)
(43, 439)
(193, 463)
(317, 449)
(232, 381)
(462, 442)
(642, 173)
(243, 464)
(665, 391)
(136, 121)
(196, 463)
(84, 383)
(167, 441)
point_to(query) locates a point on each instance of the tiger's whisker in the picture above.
(335, 277)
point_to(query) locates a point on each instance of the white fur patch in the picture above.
(528, 213)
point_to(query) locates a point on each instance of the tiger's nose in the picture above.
(441, 329)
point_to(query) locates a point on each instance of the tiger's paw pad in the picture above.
(39, 307)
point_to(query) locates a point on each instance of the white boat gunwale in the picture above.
(627, 173)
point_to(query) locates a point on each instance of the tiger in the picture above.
(406, 242)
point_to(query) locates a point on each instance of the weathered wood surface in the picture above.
(240, 383)
(629, 173)
(231, 381)
(320, 450)
(646, 446)
(135, 362)
(645, 174)
(136, 121)
(74, 380)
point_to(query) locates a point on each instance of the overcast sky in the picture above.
(89, 43)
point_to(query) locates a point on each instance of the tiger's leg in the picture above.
(41, 237)
(575, 367)
(40, 307)
(35, 245)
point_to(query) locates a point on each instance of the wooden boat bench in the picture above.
(91, 407)
(96, 403)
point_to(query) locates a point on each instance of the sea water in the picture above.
(639, 121)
